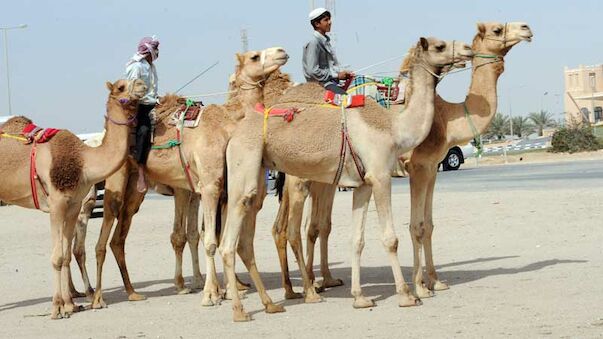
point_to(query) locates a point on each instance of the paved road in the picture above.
(577, 174)
(522, 145)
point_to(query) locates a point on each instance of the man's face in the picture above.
(324, 25)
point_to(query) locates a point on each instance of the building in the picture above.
(583, 97)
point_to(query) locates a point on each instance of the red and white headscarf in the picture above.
(146, 46)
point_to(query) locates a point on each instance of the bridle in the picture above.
(256, 84)
(439, 77)
(131, 121)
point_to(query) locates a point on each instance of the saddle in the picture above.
(37, 134)
(192, 113)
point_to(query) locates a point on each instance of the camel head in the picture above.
(255, 66)
(127, 91)
(497, 38)
(441, 55)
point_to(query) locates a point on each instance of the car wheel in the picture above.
(452, 161)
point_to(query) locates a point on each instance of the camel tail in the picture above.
(221, 210)
(279, 185)
(280, 224)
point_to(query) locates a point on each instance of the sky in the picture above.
(59, 64)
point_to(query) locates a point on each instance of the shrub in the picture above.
(575, 137)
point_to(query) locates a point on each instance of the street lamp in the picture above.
(4, 31)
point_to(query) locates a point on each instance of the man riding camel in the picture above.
(141, 66)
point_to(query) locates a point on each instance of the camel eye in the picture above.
(121, 88)
(497, 30)
(440, 47)
(255, 57)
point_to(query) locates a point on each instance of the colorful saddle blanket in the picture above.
(38, 134)
(356, 93)
(192, 111)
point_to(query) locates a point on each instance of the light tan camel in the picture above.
(491, 43)
(204, 149)
(66, 169)
(310, 146)
(453, 126)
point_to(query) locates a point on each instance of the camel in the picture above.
(456, 124)
(450, 128)
(204, 149)
(313, 145)
(55, 176)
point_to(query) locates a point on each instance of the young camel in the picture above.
(449, 128)
(316, 153)
(66, 168)
(204, 148)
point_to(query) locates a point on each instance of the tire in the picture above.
(453, 160)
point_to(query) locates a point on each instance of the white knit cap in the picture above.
(316, 13)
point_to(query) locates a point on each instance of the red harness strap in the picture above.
(287, 113)
(33, 176)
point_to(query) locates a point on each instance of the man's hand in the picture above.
(343, 75)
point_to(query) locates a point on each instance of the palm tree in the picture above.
(499, 127)
(522, 126)
(542, 120)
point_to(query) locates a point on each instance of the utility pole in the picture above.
(244, 40)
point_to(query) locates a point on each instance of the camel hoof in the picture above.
(98, 302)
(183, 291)
(136, 297)
(274, 308)
(293, 295)
(423, 292)
(90, 295)
(56, 312)
(328, 283)
(239, 315)
(211, 299)
(440, 286)
(241, 286)
(312, 297)
(363, 302)
(408, 300)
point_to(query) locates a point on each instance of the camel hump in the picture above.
(308, 93)
(67, 162)
(15, 124)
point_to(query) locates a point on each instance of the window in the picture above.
(598, 114)
(592, 80)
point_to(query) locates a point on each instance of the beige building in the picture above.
(584, 93)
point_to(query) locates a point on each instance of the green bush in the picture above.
(574, 138)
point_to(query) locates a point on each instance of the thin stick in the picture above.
(380, 63)
(200, 74)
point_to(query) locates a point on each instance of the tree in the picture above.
(499, 127)
(542, 120)
(522, 126)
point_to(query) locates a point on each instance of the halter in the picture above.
(259, 83)
(504, 39)
(131, 119)
(439, 77)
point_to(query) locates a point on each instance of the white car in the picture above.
(456, 156)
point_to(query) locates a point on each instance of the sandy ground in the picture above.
(519, 263)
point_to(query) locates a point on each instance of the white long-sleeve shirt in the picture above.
(148, 73)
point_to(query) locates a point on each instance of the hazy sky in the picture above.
(60, 62)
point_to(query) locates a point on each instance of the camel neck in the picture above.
(480, 103)
(104, 160)
(413, 124)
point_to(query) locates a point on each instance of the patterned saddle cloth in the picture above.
(357, 91)
(192, 111)
(38, 134)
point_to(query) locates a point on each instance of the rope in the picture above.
(168, 144)
(476, 135)
(12, 136)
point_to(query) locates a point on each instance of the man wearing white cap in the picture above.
(319, 60)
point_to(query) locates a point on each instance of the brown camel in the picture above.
(66, 168)
(204, 150)
(310, 146)
(456, 124)
(491, 44)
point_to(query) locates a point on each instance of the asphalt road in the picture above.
(577, 174)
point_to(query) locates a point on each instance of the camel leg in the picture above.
(434, 282)
(296, 208)
(361, 198)
(279, 234)
(79, 248)
(109, 215)
(210, 195)
(178, 236)
(419, 179)
(382, 193)
(325, 201)
(133, 201)
(192, 238)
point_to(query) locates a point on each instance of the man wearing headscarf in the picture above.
(141, 66)
(319, 60)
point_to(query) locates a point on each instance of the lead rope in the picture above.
(179, 132)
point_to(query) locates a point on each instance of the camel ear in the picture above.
(240, 58)
(481, 29)
(424, 43)
(109, 86)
